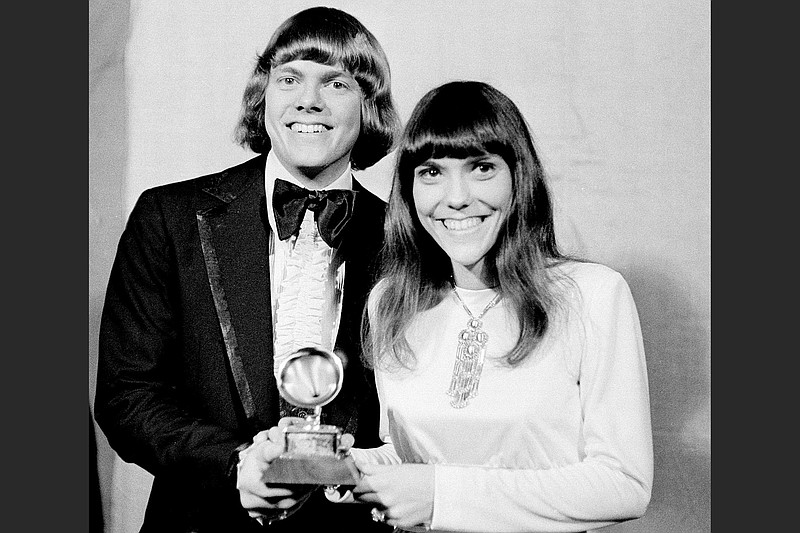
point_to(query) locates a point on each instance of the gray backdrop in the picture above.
(617, 94)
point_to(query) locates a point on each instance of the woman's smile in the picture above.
(462, 204)
(461, 224)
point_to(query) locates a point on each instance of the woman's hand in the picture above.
(403, 492)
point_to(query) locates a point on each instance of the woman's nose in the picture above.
(457, 192)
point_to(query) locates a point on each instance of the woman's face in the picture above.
(462, 203)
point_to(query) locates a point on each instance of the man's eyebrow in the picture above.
(334, 72)
(337, 73)
(285, 69)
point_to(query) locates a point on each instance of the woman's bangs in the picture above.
(438, 139)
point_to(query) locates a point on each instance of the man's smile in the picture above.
(297, 127)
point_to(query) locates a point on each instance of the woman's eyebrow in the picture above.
(429, 163)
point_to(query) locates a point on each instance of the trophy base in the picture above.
(310, 470)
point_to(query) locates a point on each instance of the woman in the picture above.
(512, 379)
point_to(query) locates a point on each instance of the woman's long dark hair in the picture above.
(330, 37)
(458, 120)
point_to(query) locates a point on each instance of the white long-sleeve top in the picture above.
(560, 443)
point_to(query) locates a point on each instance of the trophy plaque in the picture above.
(311, 378)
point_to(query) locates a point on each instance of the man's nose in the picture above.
(310, 98)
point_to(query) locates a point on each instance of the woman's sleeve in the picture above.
(382, 455)
(612, 482)
(386, 453)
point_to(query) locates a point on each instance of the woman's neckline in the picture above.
(475, 291)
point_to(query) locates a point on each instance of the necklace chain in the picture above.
(470, 354)
(491, 304)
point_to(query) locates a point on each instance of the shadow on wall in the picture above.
(95, 499)
(108, 144)
(678, 358)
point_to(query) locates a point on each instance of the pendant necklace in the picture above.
(469, 356)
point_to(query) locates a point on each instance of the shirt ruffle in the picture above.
(301, 299)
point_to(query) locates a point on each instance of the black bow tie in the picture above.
(332, 210)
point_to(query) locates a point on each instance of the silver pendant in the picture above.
(469, 363)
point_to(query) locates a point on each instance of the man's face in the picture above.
(313, 118)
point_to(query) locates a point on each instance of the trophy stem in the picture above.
(314, 419)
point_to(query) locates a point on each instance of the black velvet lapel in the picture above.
(235, 245)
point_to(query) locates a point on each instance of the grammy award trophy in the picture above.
(311, 378)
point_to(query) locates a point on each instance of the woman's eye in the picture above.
(286, 80)
(427, 172)
(484, 168)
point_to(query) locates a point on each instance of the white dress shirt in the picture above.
(310, 319)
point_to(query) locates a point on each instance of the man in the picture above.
(219, 279)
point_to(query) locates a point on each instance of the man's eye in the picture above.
(287, 80)
(339, 85)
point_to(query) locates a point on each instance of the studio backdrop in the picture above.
(617, 95)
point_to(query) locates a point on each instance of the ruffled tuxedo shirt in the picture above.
(306, 276)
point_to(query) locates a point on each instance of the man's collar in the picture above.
(274, 169)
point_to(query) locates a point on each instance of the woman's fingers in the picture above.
(268, 493)
(364, 489)
(370, 469)
(346, 442)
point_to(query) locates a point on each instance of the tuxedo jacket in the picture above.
(185, 362)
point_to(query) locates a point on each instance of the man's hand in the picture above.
(262, 501)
